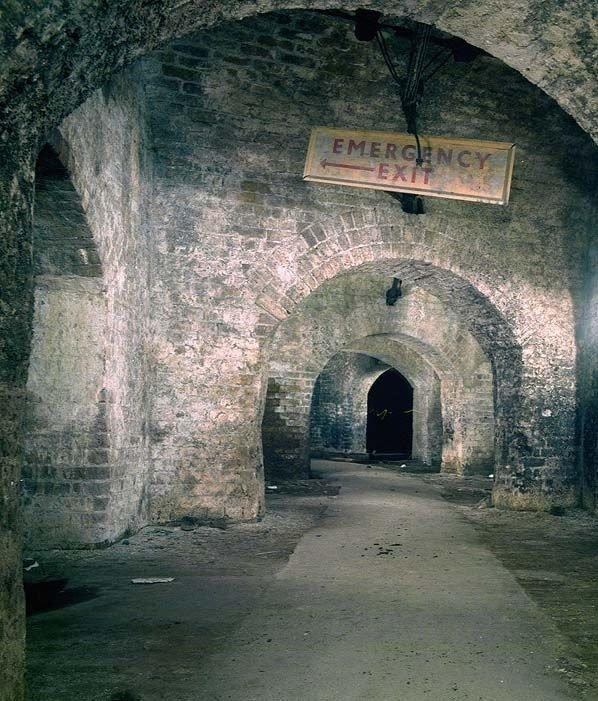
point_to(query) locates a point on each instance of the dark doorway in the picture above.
(390, 415)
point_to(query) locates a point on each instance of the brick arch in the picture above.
(521, 347)
(422, 252)
(411, 247)
(297, 370)
(420, 249)
(45, 43)
(428, 388)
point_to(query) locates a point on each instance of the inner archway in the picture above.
(390, 415)
(454, 420)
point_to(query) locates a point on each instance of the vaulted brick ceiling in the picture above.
(54, 54)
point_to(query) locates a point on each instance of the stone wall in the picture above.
(87, 459)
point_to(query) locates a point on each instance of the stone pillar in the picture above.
(588, 381)
(15, 324)
(285, 427)
(205, 431)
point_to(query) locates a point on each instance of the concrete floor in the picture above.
(388, 597)
(393, 598)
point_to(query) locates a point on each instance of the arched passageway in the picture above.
(203, 257)
(338, 420)
(390, 416)
(286, 252)
(455, 419)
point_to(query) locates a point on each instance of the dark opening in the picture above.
(49, 165)
(390, 415)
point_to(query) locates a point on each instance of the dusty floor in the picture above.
(555, 559)
(390, 593)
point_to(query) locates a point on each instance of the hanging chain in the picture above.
(412, 93)
(411, 88)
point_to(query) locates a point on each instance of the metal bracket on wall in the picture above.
(394, 292)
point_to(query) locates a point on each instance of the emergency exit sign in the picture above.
(459, 169)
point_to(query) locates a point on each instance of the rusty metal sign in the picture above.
(459, 169)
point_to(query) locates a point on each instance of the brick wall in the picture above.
(286, 427)
(230, 112)
(209, 253)
(87, 460)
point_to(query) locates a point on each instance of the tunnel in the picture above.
(390, 416)
(288, 415)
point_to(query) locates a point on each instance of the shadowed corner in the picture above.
(50, 595)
